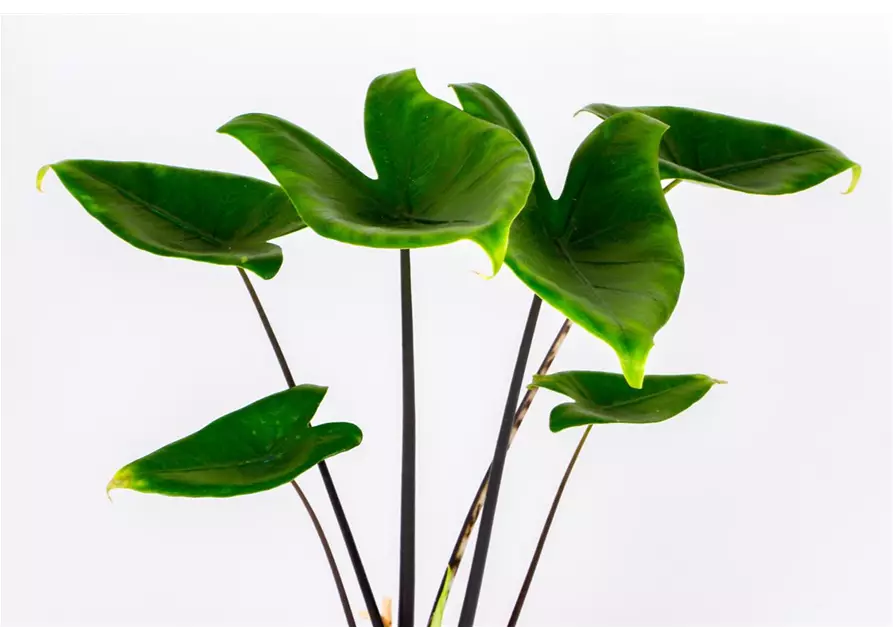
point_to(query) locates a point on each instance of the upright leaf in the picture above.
(606, 253)
(744, 155)
(601, 398)
(207, 216)
(443, 175)
(258, 447)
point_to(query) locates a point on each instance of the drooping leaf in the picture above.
(258, 447)
(443, 175)
(601, 398)
(207, 216)
(606, 253)
(744, 155)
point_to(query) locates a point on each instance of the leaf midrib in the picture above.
(160, 212)
(725, 170)
(623, 403)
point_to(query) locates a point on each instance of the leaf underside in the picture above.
(206, 216)
(734, 153)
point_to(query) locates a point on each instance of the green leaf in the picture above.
(443, 175)
(606, 253)
(605, 397)
(258, 447)
(744, 155)
(207, 216)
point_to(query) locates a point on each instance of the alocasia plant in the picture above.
(605, 253)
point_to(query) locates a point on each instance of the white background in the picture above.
(768, 503)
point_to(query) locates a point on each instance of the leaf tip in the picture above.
(718, 381)
(40, 176)
(123, 479)
(857, 173)
(633, 367)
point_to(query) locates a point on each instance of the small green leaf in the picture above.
(606, 253)
(443, 175)
(738, 154)
(258, 447)
(605, 397)
(207, 216)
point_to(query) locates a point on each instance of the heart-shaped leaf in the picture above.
(606, 253)
(207, 216)
(443, 175)
(258, 447)
(744, 155)
(605, 397)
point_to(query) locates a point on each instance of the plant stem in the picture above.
(671, 185)
(406, 602)
(522, 595)
(345, 603)
(471, 518)
(347, 534)
(479, 562)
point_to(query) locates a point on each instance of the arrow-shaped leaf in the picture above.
(258, 447)
(443, 175)
(744, 155)
(601, 398)
(207, 216)
(606, 253)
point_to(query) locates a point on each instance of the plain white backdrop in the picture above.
(768, 503)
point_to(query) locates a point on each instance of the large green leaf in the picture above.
(443, 175)
(605, 397)
(258, 447)
(207, 216)
(744, 155)
(606, 253)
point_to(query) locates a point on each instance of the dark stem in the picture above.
(519, 603)
(345, 603)
(479, 562)
(471, 518)
(406, 601)
(350, 543)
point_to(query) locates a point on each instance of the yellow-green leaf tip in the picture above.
(857, 173)
(123, 479)
(40, 174)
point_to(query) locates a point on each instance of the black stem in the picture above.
(479, 562)
(347, 534)
(531, 570)
(339, 584)
(406, 602)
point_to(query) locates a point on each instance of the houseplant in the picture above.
(605, 253)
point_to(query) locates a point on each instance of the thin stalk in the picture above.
(345, 603)
(531, 570)
(406, 601)
(443, 592)
(671, 185)
(347, 534)
(488, 514)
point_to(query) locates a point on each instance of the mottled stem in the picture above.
(471, 518)
(488, 513)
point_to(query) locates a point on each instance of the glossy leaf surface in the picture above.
(734, 153)
(258, 447)
(207, 216)
(606, 252)
(601, 398)
(443, 175)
